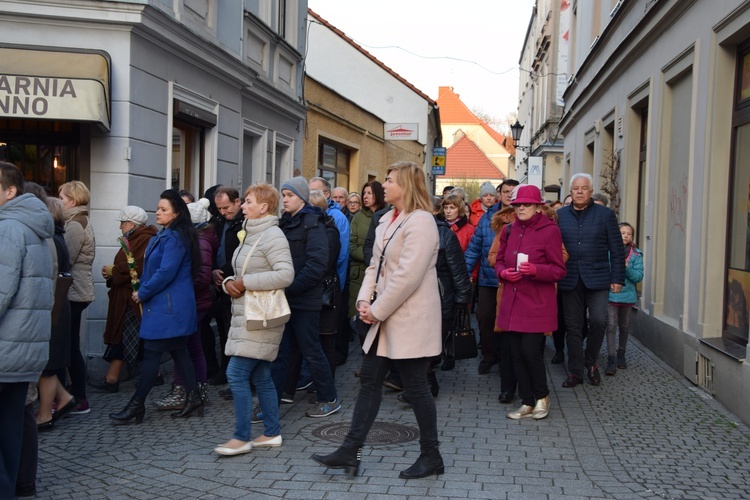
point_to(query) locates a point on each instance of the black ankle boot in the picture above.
(193, 403)
(343, 458)
(135, 409)
(428, 463)
(434, 386)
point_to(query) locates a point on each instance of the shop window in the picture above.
(333, 163)
(737, 296)
(45, 151)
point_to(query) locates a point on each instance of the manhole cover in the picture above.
(380, 433)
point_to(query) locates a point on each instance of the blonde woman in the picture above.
(251, 352)
(79, 238)
(404, 326)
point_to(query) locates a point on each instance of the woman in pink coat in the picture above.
(405, 318)
(529, 263)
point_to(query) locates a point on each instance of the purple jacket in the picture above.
(202, 284)
(530, 305)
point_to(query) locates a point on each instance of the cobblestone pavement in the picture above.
(644, 433)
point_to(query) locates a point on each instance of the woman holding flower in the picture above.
(123, 314)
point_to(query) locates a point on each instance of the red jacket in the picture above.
(463, 231)
(530, 305)
(477, 211)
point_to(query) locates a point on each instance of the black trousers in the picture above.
(528, 362)
(12, 407)
(575, 303)
(486, 317)
(152, 351)
(414, 378)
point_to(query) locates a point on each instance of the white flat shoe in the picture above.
(230, 452)
(267, 442)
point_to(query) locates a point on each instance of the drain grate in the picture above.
(380, 433)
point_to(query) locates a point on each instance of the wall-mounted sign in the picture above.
(401, 131)
(536, 171)
(438, 161)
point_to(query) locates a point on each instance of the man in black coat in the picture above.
(227, 224)
(304, 227)
(596, 265)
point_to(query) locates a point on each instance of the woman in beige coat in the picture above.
(251, 352)
(405, 318)
(79, 238)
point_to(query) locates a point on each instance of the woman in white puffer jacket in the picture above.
(269, 268)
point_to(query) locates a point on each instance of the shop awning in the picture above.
(55, 85)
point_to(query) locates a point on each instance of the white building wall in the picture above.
(330, 60)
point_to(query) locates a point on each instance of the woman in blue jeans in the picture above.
(269, 267)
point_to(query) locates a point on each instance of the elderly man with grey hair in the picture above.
(595, 266)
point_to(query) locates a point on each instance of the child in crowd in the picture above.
(620, 303)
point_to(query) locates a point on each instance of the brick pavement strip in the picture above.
(644, 433)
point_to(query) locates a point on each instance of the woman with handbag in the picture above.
(172, 260)
(529, 264)
(398, 298)
(261, 262)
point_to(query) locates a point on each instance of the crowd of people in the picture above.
(369, 267)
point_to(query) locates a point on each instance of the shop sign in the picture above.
(401, 131)
(51, 98)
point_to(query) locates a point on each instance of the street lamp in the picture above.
(515, 132)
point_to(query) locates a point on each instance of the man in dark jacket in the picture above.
(304, 227)
(595, 266)
(25, 311)
(228, 224)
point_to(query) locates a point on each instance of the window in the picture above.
(192, 157)
(737, 296)
(45, 151)
(333, 163)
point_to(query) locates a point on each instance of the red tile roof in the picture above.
(369, 56)
(465, 160)
(454, 111)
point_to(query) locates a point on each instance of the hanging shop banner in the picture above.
(54, 85)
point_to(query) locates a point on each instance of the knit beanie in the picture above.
(199, 211)
(487, 188)
(298, 185)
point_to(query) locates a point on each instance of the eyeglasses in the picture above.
(353, 202)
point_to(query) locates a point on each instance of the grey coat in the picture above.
(269, 268)
(26, 288)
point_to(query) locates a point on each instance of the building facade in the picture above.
(659, 100)
(362, 116)
(134, 97)
(542, 82)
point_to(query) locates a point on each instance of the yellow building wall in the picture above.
(331, 117)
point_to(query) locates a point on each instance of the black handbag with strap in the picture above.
(461, 342)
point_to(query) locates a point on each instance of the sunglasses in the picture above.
(527, 205)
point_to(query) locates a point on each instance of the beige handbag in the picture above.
(264, 308)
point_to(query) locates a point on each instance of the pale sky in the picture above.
(489, 33)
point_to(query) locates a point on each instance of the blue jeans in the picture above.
(239, 373)
(303, 330)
